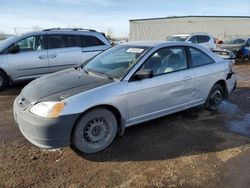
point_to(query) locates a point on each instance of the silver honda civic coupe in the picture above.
(88, 106)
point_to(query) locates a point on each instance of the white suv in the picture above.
(204, 39)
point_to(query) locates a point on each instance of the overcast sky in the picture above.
(104, 14)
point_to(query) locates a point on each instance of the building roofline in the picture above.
(191, 16)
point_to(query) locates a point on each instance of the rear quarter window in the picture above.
(193, 39)
(203, 38)
(199, 58)
(88, 41)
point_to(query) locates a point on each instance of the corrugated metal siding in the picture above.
(220, 27)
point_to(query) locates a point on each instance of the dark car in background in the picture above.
(240, 47)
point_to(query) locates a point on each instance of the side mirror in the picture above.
(14, 49)
(143, 74)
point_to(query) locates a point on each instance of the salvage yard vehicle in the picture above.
(223, 53)
(240, 47)
(204, 39)
(34, 54)
(88, 106)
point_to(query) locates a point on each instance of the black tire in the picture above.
(95, 131)
(214, 98)
(3, 80)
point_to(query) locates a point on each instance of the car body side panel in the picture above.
(25, 65)
(231, 83)
(63, 58)
(158, 95)
(113, 94)
(206, 76)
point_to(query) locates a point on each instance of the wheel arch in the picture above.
(223, 84)
(114, 110)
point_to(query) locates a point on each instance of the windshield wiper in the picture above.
(87, 72)
(82, 69)
(101, 74)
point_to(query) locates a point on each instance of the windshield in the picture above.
(117, 61)
(236, 41)
(177, 38)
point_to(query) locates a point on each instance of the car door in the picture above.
(170, 90)
(64, 51)
(30, 59)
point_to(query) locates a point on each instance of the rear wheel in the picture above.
(215, 98)
(3, 80)
(95, 131)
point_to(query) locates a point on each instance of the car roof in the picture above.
(145, 43)
(182, 35)
(92, 32)
(157, 43)
(162, 44)
(188, 34)
(77, 31)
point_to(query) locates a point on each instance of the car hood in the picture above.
(60, 85)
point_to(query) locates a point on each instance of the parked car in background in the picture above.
(240, 47)
(123, 86)
(223, 53)
(204, 39)
(34, 54)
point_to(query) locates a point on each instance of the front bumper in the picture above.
(44, 132)
(231, 82)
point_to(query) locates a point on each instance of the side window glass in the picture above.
(167, 60)
(199, 58)
(33, 43)
(203, 38)
(88, 41)
(62, 41)
(72, 41)
(56, 41)
(193, 39)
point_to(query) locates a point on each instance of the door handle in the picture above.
(42, 57)
(187, 78)
(52, 55)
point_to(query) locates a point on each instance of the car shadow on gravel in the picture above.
(189, 132)
(13, 89)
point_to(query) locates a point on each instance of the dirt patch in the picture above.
(193, 148)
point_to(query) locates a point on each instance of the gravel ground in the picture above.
(193, 148)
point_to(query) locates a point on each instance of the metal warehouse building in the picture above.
(222, 27)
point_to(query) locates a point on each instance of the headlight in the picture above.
(47, 109)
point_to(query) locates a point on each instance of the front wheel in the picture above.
(215, 98)
(95, 131)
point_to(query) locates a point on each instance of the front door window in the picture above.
(33, 43)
